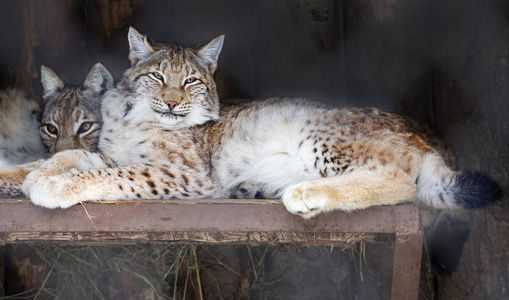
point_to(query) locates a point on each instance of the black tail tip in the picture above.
(474, 190)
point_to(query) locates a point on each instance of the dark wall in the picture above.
(445, 63)
(273, 48)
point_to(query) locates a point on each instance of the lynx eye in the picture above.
(52, 129)
(157, 76)
(85, 126)
(190, 80)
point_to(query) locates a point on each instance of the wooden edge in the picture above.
(157, 218)
(174, 202)
(252, 238)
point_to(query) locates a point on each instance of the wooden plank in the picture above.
(201, 221)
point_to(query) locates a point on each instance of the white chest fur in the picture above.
(270, 148)
(125, 131)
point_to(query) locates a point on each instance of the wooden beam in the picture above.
(212, 220)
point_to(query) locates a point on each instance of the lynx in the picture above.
(72, 115)
(71, 120)
(165, 136)
(19, 129)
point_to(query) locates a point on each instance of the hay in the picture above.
(94, 272)
(172, 271)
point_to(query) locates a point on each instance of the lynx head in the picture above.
(72, 114)
(173, 85)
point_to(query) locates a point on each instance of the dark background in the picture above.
(442, 62)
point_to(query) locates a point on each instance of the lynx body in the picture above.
(165, 136)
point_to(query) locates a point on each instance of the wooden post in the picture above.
(2, 270)
(407, 266)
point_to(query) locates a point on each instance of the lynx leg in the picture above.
(136, 182)
(63, 162)
(19, 172)
(11, 178)
(355, 190)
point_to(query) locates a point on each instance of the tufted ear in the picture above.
(139, 47)
(99, 79)
(210, 53)
(51, 83)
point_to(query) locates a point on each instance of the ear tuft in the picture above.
(139, 47)
(99, 79)
(209, 53)
(51, 83)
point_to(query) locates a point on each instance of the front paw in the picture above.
(304, 200)
(49, 168)
(54, 192)
(31, 179)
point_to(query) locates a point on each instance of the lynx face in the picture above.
(174, 82)
(72, 115)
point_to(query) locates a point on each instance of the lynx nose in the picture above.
(171, 104)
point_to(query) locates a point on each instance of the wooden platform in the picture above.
(218, 221)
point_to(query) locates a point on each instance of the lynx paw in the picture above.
(31, 179)
(54, 192)
(304, 200)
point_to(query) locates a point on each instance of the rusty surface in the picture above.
(18, 218)
(407, 266)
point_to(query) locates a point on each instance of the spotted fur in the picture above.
(164, 137)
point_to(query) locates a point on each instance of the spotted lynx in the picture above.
(165, 136)
(71, 120)
(72, 115)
